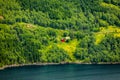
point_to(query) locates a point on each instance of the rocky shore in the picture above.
(43, 64)
(30, 64)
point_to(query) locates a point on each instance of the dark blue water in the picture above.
(62, 72)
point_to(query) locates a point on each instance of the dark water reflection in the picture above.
(62, 72)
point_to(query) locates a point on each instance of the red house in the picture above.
(63, 40)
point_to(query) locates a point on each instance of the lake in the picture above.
(62, 72)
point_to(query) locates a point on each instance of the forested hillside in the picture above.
(33, 31)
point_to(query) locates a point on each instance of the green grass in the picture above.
(69, 47)
(110, 6)
(103, 31)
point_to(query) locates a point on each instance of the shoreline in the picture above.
(30, 64)
(45, 64)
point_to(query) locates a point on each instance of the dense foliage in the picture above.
(31, 31)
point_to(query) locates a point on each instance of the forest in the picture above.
(55, 31)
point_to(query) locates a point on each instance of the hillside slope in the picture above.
(31, 31)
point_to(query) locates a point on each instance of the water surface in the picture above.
(62, 72)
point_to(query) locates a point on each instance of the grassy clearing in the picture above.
(103, 31)
(99, 38)
(69, 47)
(110, 6)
